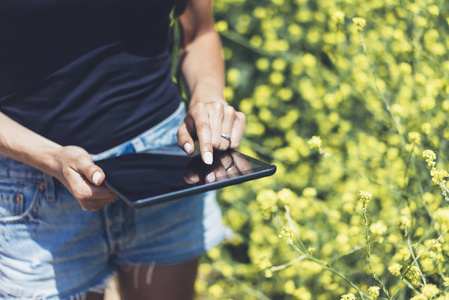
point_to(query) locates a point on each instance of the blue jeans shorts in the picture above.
(50, 248)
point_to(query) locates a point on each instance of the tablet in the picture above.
(142, 179)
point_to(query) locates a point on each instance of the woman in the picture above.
(82, 80)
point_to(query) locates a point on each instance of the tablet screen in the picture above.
(141, 178)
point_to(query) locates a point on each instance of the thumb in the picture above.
(90, 170)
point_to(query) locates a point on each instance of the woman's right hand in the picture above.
(79, 174)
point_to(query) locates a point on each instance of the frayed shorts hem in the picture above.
(98, 286)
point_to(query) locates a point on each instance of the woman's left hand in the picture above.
(216, 125)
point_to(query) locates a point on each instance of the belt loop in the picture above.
(138, 145)
(49, 187)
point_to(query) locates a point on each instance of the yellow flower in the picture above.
(426, 128)
(279, 64)
(402, 254)
(295, 30)
(278, 2)
(285, 94)
(414, 275)
(349, 296)
(433, 10)
(414, 137)
(309, 192)
(338, 17)
(405, 222)
(378, 228)
(430, 290)
(221, 26)
(216, 291)
(430, 157)
(277, 78)
(287, 235)
(359, 23)
(286, 196)
(289, 287)
(365, 196)
(419, 297)
(260, 12)
(315, 142)
(263, 262)
(374, 291)
(228, 93)
(233, 76)
(438, 176)
(395, 269)
(263, 64)
(267, 200)
(446, 282)
(256, 41)
(309, 60)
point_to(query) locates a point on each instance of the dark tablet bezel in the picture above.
(264, 170)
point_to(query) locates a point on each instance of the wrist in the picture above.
(22, 144)
(208, 90)
(48, 160)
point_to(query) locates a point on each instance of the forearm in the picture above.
(203, 68)
(22, 144)
(209, 118)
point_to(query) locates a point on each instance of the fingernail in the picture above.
(187, 148)
(192, 177)
(210, 177)
(96, 177)
(208, 158)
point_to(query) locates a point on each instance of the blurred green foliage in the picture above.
(344, 97)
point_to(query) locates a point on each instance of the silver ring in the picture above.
(226, 137)
(231, 166)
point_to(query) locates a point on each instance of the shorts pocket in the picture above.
(17, 198)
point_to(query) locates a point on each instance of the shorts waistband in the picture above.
(159, 135)
(10, 168)
(148, 139)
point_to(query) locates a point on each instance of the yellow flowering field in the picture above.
(350, 100)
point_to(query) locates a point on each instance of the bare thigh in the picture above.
(161, 282)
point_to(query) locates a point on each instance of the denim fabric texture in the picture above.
(50, 248)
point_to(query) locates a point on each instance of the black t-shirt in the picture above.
(92, 73)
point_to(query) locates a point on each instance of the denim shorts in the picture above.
(50, 248)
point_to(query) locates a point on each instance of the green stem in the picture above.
(409, 160)
(408, 283)
(381, 96)
(286, 265)
(305, 255)
(334, 271)
(338, 256)
(292, 226)
(367, 236)
(417, 264)
(323, 264)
